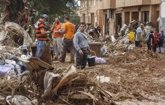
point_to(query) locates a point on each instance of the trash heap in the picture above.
(12, 34)
(132, 56)
(67, 86)
(41, 83)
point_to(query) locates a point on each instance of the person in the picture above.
(138, 37)
(160, 41)
(131, 38)
(82, 47)
(41, 35)
(68, 30)
(149, 39)
(156, 37)
(57, 38)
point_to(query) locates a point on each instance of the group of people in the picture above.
(147, 34)
(65, 39)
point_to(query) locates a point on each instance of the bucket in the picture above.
(91, 61)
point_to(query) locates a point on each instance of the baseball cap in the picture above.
(44, 16)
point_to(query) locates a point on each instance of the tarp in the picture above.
(5, 69)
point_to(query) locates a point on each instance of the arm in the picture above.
(42, 28)
(43, 31)
(75, 42)
(62, 29)
(52, 28)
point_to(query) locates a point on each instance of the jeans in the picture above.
(81, 60)
(149, 45)
(57, 47)
(137, 43)
(67, 46)
(160, 46)
(40, 48)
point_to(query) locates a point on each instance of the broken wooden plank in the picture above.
(41, 63)
(89, 94)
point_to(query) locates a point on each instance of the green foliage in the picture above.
(56, 8)
(53, 7)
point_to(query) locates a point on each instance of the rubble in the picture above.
(119, 81)
(126, 77)
(12, 34)
(73, 86)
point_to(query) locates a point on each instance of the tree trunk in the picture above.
(15, 11)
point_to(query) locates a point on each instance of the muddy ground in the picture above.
(136, 77)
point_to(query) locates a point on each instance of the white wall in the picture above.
(162, 17)
(162, 9)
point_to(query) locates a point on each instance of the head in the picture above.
(142, 26)
(162, 32)
(57, 20)
(66, 19)
(82, 27)
(44, 17)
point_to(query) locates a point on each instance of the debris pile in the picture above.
(132, 56)
(12, 34)
(67, 86)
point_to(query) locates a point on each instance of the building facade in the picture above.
(112, 14)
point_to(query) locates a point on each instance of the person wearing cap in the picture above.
(41, 35)
(68, 30)
(57, 38)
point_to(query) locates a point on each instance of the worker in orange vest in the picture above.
(68, 30)
(57, 38)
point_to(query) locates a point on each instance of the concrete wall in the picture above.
(120, 3)
(155, 1)
(127, 3)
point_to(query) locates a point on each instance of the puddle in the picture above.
(103, 79)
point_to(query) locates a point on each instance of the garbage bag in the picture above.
(18, 100)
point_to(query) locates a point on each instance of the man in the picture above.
(138, 37)
(57, 38)
(41, 35)
(68, 31)
(156, 39)
(82, 47)
(150, 39)
(160, 41)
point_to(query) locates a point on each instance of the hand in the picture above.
(80, 52)
(48, 32)
(89, 50)
(56, 32)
